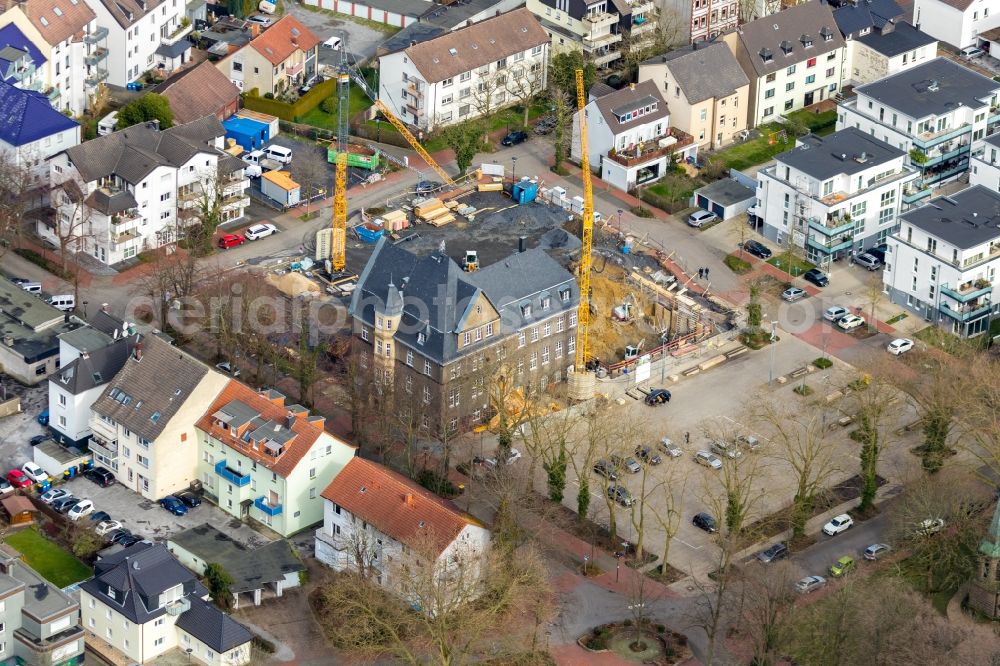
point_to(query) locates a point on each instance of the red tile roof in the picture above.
(397, 506)
(199, 91)
(58, 20)
(283, 38)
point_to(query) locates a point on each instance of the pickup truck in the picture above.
(256, 158)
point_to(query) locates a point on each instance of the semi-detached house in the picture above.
(278, 61)
(467, 73)
(133, 31)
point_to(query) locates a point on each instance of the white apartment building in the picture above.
(942, 263)
(985, 166)
(629, 138)
(135, 29)
(793, 59)
(376, 522)
(833, 196)
(598, 28)
(467, 73)
(937, 112)
(956, 22)
(139, 188)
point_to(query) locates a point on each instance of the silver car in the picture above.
(793, 294)
(708, 459)
(810, 583)
(726, 449)
(667, 446)
(700, 218)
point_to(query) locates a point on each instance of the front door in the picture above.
(809, 99)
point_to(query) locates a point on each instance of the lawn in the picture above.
(818, 123)
(50, 561)
(358, 101)
(799, 265)
(756, 151)
(510, 118)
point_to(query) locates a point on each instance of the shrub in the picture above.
(737, 265)
(329, 105)
(803, 389)
(640, 211)
(823, 363)
(660, 628)
(436, 483)
(627, 623)
(268, 95)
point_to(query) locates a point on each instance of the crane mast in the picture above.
(583, 314)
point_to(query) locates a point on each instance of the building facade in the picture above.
(133, 30)
(29, 331)
(985, 165)
(598, 28)
(879, 42)
(277, 62)
(956, 22)
(834, 196)
(262, 459)
(466, 73)
(938, 112)
(942, 263)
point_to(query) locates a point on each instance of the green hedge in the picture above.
(286, 111)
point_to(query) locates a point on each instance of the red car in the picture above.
(230, 240)
(18, 479)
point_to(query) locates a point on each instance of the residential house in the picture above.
(21, 62)
(257, 572)
(144, 603)
(200, 91)
(140, 188)
(133, 31)
(278, 61)
(73, 49)
(956, 22)
(439, 19)
(29, 331)
(711, 18)
(879, 42)
(440, 350)
(629, 137)
(143, 423)
(937, 112)
(598, 28)
(262, 459)
(39, 623)
(943, 261)
(467, 73)
(834, 196)
(985, 165)
(712, 109)
(793, 59)
(378, 522)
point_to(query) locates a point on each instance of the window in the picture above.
(447, 82)
(790, 86)
(828, 188)
(447, 99)
(364, 334)
(830, 72)
(572, 320)
(811, 62)
(703, 115)
(463, 110)
(547, 330)
(559, 349)
(536, 50)
(830, 56)
(534, 334)
(770, 77)
(769, 111)
(489, 329)
(465, 77)
(560, 325)
(158, 641)
(467, 339)
(533, 361)
(790, 70)
(768, 94)
(789, 104)
(427, 367)
(810, 79)
(520, 339)
(409, 357)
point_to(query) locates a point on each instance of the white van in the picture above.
(31, 287)
(107, 124)
(278, 154)
(266, 6)
(64, 302)
(332, 43)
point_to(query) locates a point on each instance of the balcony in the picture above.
(654, 149)
(601, 41)
(835, 223)
(947, 152)
(104, 447)
(966, 312)
(263, 506)
(126, 216)
(926, 140)
(95, 56)
(294, 70)
(915, 194)
(235, 186)
(600, 19)
(235, 201)
(415, 89)
(98, 35)
(190, 193)
(644, 28)
(642, 6)
(831, 245)
(124, 236)
(414, 110)
(177, 35)
(178, 607)
(96, 78)
(606, 58)
(52, 93)
(238, 479)
(338, 544)
(968, 291)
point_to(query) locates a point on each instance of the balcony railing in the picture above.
(598, 41)
(830, 245)
(98, 35)
(912, 196)
(124, 236)
(104, 447)
(599, 19)
(294, 70)
(969, 291)
(126, 216)
(832, 225)
(927, 140)
(648, 151)
(966, 312)
(95, 56)
(262, 504)
(238, 479)
(177, 35)
(178, 607)
(415, 89)
(96, 77)
(605, 58)
(337, 543)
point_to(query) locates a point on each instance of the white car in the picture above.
(106, 526)
(838, 524)
(850, 322)
(971, 52)
(260, 231)
(34, 472)
(80, 509)
(899, 345)
(793, 294)
(512, 458)
(930, 526)
(332, 43)
(708, 459)
(50, 496)
(700, 218)
(667, 446)
(834, 312)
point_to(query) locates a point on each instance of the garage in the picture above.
(727, 198)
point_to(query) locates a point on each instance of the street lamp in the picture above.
(513, 173)
(620, 211)
(774, 327)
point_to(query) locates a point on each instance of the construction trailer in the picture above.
(250, 134)
(279, 186)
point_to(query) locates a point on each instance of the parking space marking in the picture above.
(687, 544)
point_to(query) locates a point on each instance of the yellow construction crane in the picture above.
(338, 240)
(412, 140)
(583, 314)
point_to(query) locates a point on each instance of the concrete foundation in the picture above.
(582, 386)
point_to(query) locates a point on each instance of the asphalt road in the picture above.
(816, 559)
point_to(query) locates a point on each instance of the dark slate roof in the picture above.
(148, 391)
(213, 627)
(628, 99)
(27, 116)
(690, 64)
(726, 192)
(964, 219)
(138, 575)
(415, 32)
(935, 87)
(848, 151)
(173, 50)
(900, 40)
(95, 368)
(852, 18)
(811, 19)
(437, 293)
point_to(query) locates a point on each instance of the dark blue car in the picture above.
(173, 505)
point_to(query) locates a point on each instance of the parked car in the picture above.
(50, 496)
(190, 498)
(748, 442)
(646, 454)
(512, 457)
(43, 417)
(778, 551)
(117, 536)
(707, 459)
(514, 138)
(850, 322)
(879, 251)
(129, 540)
(5, 488)
(793, 294)
(899, 346)
(706, 522)
(809, 584)
(427, 186)
(173, 505)
(868, 261)
(700, 218)
(80, 509)
(34, 472)
(332, 43)
(605, 469)
(970, 52)
(842, 566)
(260, 231)
(875, 551)
(757, 249)
(227, 241)
(838, 524)
(16, 478)
(657, 396)
(725, 449)
(667, 446)
(817, 277)
(38, 439)
(628, 464)
(65, 504)
(930, 526)
(101, 476)
(100, 516)
(228, 368)
(621, 495)
(834, 312)
(260, 20)
(106, 526)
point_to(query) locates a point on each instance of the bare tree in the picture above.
(172, 277)
(314, 176)
(71, 225)
(937, 391)
(524, 84)
(875, 402)
(18, 188)
(667, 512)
(764, 604)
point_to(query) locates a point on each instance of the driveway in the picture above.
(16, 430)
(362, 40)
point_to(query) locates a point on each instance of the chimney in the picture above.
(413, 42)
(289, 420)
(137, 352)
(408, 499)
(104, 307)
(631, 86)
(468, 22)
(522, 241)
(8, 340)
